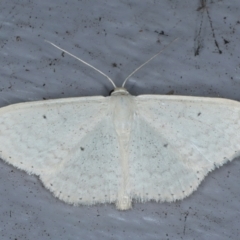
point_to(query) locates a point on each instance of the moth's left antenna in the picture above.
(147, 62)
(79, 59)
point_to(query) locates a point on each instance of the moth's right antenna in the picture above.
(83, 62)
(147, 62)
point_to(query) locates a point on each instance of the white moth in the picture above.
(114, 149)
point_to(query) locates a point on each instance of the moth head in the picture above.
(119, 91)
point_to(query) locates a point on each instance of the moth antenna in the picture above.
(79, 59)
(147, 61)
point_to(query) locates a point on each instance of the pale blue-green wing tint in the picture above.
(70, 144)
(176, 141)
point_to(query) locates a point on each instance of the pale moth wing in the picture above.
(176, 141)
(69, 143)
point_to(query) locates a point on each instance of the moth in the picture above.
(120, 148)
